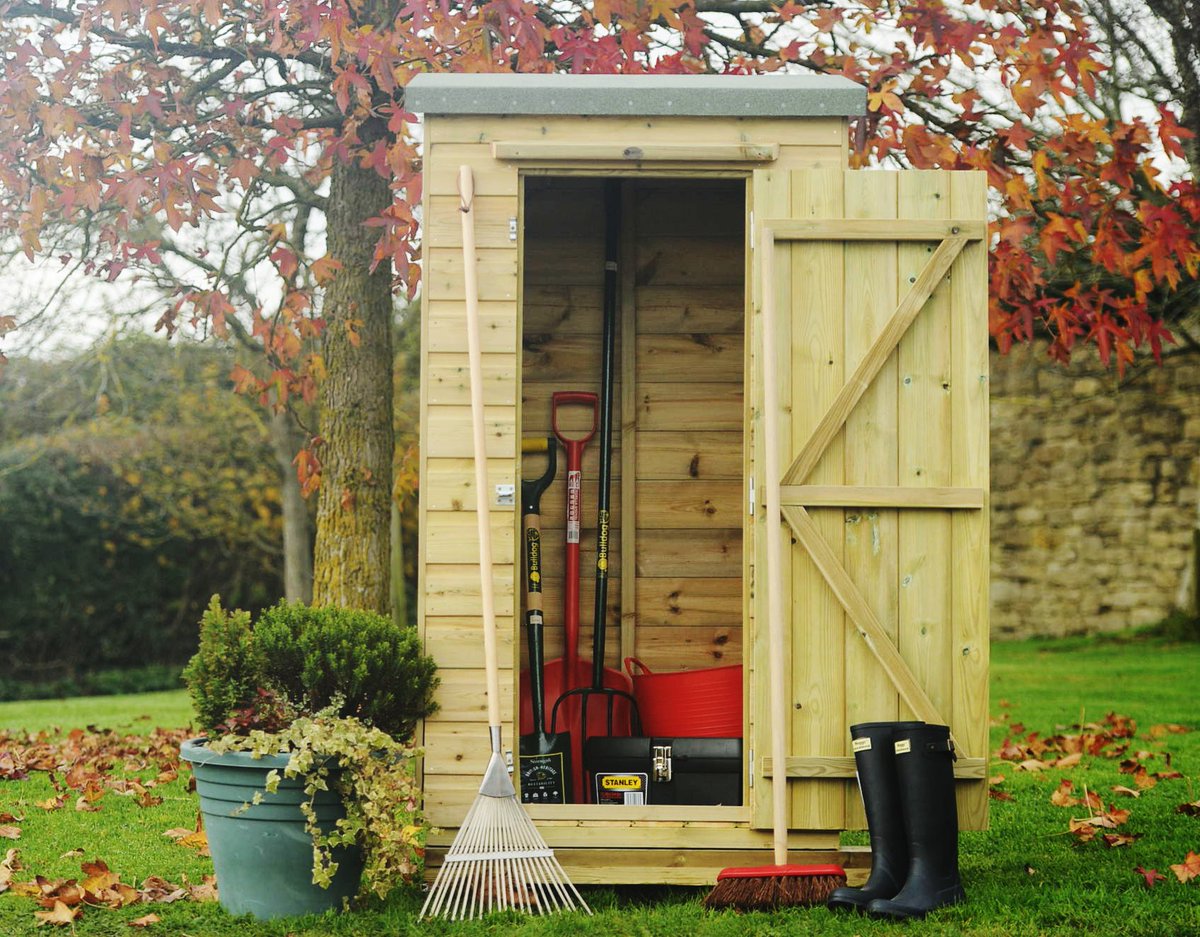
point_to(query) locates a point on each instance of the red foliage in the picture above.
(130, 121)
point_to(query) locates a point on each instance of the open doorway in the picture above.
(676, 564)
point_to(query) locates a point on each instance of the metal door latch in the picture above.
(662, 763)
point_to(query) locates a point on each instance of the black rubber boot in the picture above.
(925, 767)
(875, 762)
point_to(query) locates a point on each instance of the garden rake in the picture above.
(498, 861)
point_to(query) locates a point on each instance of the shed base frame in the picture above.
(679, 866)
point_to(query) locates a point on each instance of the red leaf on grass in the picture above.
(1113, 840)
(1150, 875)
(156, 890)
(1062, 795)
(1190, 810)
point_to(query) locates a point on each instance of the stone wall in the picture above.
(1094, 493)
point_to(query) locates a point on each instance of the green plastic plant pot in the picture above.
(263, 855)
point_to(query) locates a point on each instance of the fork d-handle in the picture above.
(574, 449)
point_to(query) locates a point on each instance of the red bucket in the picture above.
(689, 703)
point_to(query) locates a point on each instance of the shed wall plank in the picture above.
(969, 467)
(870, 458)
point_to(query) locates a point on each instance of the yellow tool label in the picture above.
(622, 782)
(862, 745)
(904, 746)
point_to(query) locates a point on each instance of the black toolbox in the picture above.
(637, 770)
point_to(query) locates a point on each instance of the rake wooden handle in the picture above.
(466, 193)
(771, 520)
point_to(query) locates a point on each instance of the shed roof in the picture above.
(638, 95)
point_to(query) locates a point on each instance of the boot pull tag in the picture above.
(862, 745)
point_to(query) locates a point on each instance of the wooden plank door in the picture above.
(879, 306)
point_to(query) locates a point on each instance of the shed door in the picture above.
(879, 284)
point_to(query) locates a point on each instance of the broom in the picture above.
(780, 885)
(498, 860)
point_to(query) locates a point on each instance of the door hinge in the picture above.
(753, 240)
(662, 763)
(751, 767)
(508, 759)
(751, 495)
(512, 229)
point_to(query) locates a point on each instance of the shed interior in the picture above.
(676, 595)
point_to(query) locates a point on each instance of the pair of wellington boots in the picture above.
(906, 778)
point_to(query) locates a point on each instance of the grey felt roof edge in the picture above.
(638, 95)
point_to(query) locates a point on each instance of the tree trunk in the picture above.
(297, 542)
(351, 561)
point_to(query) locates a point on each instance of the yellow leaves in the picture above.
(1189, 868)
(60, 914)
(205, 891)
(99, 876)
(884, 99)
(145, 920)
(10, 832)
(324, 269)
(193, 839)
(243, 380)
(8, 867)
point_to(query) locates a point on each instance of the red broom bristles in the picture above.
(770, 887)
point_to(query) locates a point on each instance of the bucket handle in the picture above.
(630, 662)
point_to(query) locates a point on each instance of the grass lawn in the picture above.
(1025, 876)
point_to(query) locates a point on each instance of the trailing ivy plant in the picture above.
(339, 692)
(372, 771)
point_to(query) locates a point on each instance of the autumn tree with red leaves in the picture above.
(193, 142)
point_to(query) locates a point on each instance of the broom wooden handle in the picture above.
(466, 193)
(777, 646)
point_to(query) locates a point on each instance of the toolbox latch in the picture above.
(662, 763)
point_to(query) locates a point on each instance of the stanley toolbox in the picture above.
(638, 770)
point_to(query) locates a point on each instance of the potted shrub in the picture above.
(305, 771)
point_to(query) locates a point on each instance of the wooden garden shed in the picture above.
(730, 186)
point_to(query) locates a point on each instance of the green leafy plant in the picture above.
(375, 669)
(226, 671)
(339, 692)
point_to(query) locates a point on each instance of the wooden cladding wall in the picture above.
(684, 295)
(691, 591)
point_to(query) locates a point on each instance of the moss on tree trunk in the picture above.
(351, 560)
